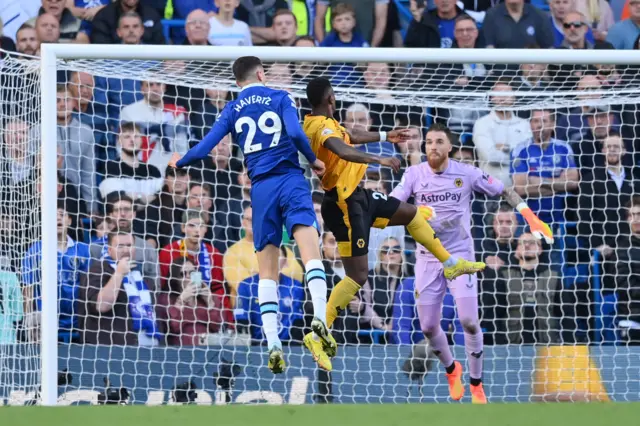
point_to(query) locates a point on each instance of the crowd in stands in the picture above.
(149, 255)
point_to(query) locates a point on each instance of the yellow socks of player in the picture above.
(340, 297)
(424, 234)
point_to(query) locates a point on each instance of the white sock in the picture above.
(317, 282)
(268, 299)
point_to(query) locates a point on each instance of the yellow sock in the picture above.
(340, 297)
(424, 234)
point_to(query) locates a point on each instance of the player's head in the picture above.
(193, 225)
(248, 70)
(320, 94)
(438, 145)
(64, 221)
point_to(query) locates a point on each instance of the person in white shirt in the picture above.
(225, 30)
(498, 132)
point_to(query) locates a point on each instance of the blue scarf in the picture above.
(204, 261)
(141, 310)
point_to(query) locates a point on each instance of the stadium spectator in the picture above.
(108, 28)
(357, 117)
(204, 109)
(598, 16)
(192, 310)
(47, 28)
(433, 28)
(515, 24)
(410, 150)
(370, 16)
(203, 255)
(498, 132)
(497, 251)
(165, 125)
(573, 122)
(623, 34)
(199, 197)
(67, 25)
(116, 303)
(291, 296)
(532, 77)
(167, 211)
(224, 30)
(303, 72)
(283, 30)
(73, 262)
(120, 212)
(241, 262)
(544, 169)
(87, 110)
(85, 10)
(587, 146)
(532, 289)
(27, 41)
(18, 158)
(604, 196)
(12, 313)
(343, 29)
(74, 205)
(623, 271)
(19, 83)
(558, 16)
(197, 28)
(139, 180)
(280, 75)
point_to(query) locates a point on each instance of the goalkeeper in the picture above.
(350, 211)
(448, 186)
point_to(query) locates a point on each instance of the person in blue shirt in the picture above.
(73, 261)
(544, 169)
(291, 296)
(264, 123)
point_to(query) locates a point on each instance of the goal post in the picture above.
(63, 56)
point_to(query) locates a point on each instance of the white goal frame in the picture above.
(51, 53)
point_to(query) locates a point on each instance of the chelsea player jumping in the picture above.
(264, 122)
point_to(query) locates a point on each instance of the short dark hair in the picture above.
(551, 112)
(317, 91)
(127, 126)
(62, 205)
(204, 186)
(244, 66)
(439, 127)
(115, 197)
(633, 202)
(25, 26)
(282, 12)
(342, 9)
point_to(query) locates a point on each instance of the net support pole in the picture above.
(49, 195)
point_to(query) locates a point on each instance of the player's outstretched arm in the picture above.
(538, 228)
(395, 136)
(219, 130)
(349, 153)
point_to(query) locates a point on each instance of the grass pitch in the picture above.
(551, 414)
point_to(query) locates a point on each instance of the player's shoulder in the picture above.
(456, 167)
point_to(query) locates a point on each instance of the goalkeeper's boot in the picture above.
(276, 360)
(462, 267)
(315, 346)
(456, 389)
(328, 342)
(477, 394)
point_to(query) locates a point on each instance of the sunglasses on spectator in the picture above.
(391, 249)
(575, 24)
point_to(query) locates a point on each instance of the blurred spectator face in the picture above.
(285, 27)
(634, 9)
(357, 118)
(528, 247)
(504, 226)
(574, 27)
(390, 253)
(600, 123)
(27, 42)
(16, 135)
(613, 150)
(197, 27)
(303, 42)
(377, 75)
(345, 23)
(227, 6)
(130, 30)
(445, 7)
(634, 219)
(48, 28)
(559, 8)
(502, 102)
(122, 213)
(532, 72)
(587, 84)
(280, 75)
(63, 222)
(222, 152)
(330, 247)
(464, 156)
(217, 96)
(542, 125)
(513, 3)
(194, 230)
(466, 33)
(81, 87)
(153, 92)
(54, 7)
(130, 142)
(438, 147)
(247, 217)
(64, 105)
(122, 246)
(177, 182)
(199, 198)
(412, 145)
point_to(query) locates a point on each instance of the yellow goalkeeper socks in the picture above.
(424, 234)
(340, 297)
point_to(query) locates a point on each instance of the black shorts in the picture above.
(351, 220)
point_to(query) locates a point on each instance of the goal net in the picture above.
(156, 274)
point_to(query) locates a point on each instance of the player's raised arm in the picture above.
(220, 129)
(349, 153)
(539, 229)
(394, 136)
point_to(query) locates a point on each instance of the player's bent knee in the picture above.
(404, 215)
(470, 325)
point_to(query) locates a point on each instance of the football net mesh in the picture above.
(179, 324)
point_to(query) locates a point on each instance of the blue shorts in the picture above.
(280, 200)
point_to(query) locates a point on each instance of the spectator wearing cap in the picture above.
(370, 18)
(623, 34)
(515, 24)
(433, 28)
(67, 24)
(107, 21)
